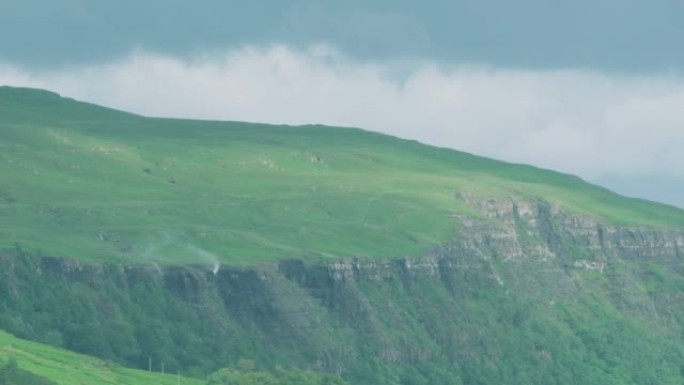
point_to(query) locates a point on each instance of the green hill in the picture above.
(67, 368)
(344, 252)
(84, 181)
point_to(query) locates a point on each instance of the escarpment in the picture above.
(527, 284)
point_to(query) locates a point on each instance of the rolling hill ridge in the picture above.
(381, 260)
(88, 182)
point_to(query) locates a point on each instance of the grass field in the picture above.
(68, 368)
(97, 184)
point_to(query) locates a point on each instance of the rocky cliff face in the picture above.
(527, 285)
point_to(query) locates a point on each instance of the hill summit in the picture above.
(85, 181)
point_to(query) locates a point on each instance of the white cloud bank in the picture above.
(592, 124)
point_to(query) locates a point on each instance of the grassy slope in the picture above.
(94, 183)
(70, 368)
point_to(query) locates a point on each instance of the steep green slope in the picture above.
(84, 181)
(68, 368)
(524, 299)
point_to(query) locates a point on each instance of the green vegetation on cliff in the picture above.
(245, 374)
(84, 181)
(344, 252)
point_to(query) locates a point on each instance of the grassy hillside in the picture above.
(89, 182)
(68, 368)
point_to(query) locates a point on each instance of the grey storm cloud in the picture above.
(612, 35)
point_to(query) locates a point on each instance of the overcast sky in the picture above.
(594, 88)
